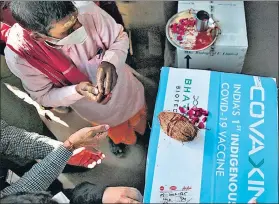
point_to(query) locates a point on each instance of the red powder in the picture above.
(188, 25)
(180, 28)
(202, 40)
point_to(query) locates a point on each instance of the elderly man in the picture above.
(66, 56)
(5, 16)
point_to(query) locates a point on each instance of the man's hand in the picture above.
(121, 195)
(87, 90)
(106, 80)
(87, 136)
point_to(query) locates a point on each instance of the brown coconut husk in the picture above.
(177, 126)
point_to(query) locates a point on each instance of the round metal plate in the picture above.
(215, 31)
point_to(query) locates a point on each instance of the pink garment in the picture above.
(128, 94)
(48, 60)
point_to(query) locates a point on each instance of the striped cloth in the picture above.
(42, 174)
(21, 146)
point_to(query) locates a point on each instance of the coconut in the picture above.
(177, 126)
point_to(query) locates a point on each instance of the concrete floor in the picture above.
(262, 29)
(261, 59)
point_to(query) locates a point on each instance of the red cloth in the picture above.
(46, 59)
(4, 28)
(85, 158)
(7, 21)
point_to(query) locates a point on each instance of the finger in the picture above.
(100, 80)
(99, 154)
(98, 129)
(90, 140)
(108, 81)
(90, 160)
(127, 200)
(100, 97)
(93, 140)
(115, 77)
(89, 92)
(77, 151)
(134, 194)
(93, 90)
(84, 84)
(96, 157)
(89, 96)
(100, 136)
(90, 157)
(99, 161)
(92, 165)
(107, 99)
(86, 160)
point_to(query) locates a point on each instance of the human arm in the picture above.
(45, 172)
(42, 174)
(116, 42)
(113, 37)
(39, 86)
(16, 142)
(27, 145)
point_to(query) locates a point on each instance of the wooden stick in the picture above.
(130, 43)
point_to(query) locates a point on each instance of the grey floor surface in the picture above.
(262, 29)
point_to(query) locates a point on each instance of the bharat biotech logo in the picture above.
(183, 96)
(256, 175)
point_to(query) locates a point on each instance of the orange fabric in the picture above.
(125, 132)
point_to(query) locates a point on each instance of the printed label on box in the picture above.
(235, 160)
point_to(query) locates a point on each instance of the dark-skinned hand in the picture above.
(87, 90)
(106, 81)
(90, 92)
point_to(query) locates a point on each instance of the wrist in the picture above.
(69, 145)
(104, 63)
(77, 89)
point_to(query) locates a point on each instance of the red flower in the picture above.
(179, 38)
(182, 110)
(201, 125)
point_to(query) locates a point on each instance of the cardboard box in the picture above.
(231, 46)
(235, 160)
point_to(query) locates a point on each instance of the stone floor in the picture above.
(261, 59)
